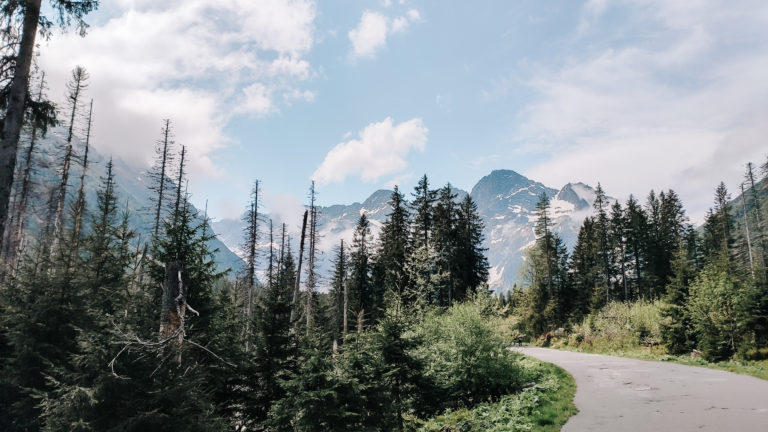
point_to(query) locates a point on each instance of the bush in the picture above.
(620, 326)
(464, 354)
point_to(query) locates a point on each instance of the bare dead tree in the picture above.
(14, 115)
(294, 303)
(16, 225)
(346, 293)
(159, 173)
(746, 228)
(270, 267)
(80, 201)
(251, 243)
(311, 263)
(180, 198)
(76, 86)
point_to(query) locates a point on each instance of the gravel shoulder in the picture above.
(621, 394)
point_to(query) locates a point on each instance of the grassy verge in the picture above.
(543, 407)
(757, 369)
(633, 330)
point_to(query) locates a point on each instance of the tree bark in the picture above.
(174, 302)
(14, 115)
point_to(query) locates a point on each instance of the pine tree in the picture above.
(675, 323)
(339, 294)
(618, 227)
(601, 206)
(444, 240)
(636, 245)
(585, 266)
(470, 265)
(85, 387)
(362, 298)
(422, 211)
(389, 268)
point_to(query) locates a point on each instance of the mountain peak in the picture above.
(503, 190)
(579, 194)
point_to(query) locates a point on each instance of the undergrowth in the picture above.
(542, 407)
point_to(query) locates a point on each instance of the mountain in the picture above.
(132, 188)
(506, 202)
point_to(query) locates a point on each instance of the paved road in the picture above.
(619, 394)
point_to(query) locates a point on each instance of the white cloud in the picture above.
(374, 28)
(379, 150)
(196, 62)
(682, 108)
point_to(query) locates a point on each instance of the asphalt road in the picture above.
(618, 394)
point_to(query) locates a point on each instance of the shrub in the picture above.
(465, 356)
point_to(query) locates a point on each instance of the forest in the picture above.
(110, 326)
(706, 285)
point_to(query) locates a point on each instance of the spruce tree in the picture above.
(363, 299)
(636, 230)
(422, 211)
(389, 268)
(675, 324)
(444, 238)
(470, 265)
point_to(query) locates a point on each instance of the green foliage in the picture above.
(463, 354)
(545, 406)
(714, 311)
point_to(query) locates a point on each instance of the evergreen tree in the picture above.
(389, 268)
(422, 211)
(585, 266)
(339, 294)
(363, 299)
(444, 239)
(618, 227)
(470, 265)
(636, 230)
(602, 228)
(675, 324)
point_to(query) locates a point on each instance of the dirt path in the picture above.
(619, 394)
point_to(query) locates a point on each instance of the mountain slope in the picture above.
(506, 202)
(132, 188)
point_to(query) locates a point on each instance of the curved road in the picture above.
(620, 394)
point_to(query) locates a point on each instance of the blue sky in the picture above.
(360, 95)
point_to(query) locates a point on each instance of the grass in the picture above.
(633, 331)
(541, 407)
(755, 368)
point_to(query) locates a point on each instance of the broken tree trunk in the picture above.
(294, 304)
(174, 303)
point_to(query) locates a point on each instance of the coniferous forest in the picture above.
(705, 286)
(107, 324)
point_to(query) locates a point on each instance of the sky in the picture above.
(360, 95)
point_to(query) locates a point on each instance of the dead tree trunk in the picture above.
(80, 202)
(14, 239)
(311, 275)
(174, 303)
(160, 172)
(76, 87)
(746, 227)
(298, 268)
(14, 115)
(346, 294)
